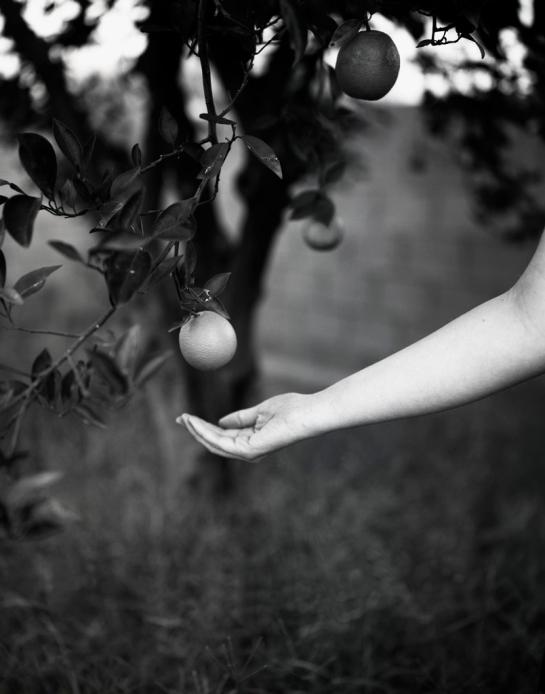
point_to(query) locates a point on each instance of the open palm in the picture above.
(252, 433)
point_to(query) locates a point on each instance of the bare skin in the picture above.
(493, 346)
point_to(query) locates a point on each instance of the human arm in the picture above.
(491, 347)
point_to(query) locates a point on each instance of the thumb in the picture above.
(240, 418)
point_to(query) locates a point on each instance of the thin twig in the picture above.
(96, 325)
(16, 328)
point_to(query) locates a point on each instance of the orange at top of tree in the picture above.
(368, 65)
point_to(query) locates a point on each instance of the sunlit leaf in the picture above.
(20, 213)
(264, 153)
(39, 160)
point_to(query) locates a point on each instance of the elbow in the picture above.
(526, 300)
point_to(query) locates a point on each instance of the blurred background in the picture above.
(403, 556)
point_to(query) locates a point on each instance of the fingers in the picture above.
(224, 443)
(239, 419)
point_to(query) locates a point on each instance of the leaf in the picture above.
(70, 390)
(51, 389)
(39, 160)
(136, 155)
(424, 42)
(47, 516)
(479, 46)
(30, 489)
(125, 273)
(2, 232)
(216, 119)
(324, 210)
(126, 349)
(264, 153)
(216, 306)
(109, 371)
(3, 182)
(121, 241)
(217, 283)
(68, 193)
(176, 221)
(168, 127)
(334, 172)
(123, 181)
(150, 368)
(68, 143)
(128, 213)
(67, 250)
(2, 269)
(89, 415)
(33, 281)
(345, 32)
(87, 151)
(20, 213)
(107, 211)
(303, 204)
(42, 362)
(11, 295)
(296, 27)
(190, 262)
(212, 160)
(314, 204)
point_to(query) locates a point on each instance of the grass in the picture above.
(403, 557)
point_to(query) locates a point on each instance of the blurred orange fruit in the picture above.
(322, 237)
(368, 65)
(207, 341)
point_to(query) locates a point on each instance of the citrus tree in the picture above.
(291, 115)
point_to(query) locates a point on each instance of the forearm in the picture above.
(487, 349)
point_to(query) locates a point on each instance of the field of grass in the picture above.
(406, 557)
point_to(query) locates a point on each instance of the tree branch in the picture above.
(206, 76)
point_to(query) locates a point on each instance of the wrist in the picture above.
(313, 414)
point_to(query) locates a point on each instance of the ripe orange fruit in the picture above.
(322, 237)
(207, 341)
(368, 65)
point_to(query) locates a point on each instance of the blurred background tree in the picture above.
(272, 78)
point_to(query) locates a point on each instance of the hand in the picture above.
(250, 434)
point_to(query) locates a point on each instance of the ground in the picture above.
(403, 557)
